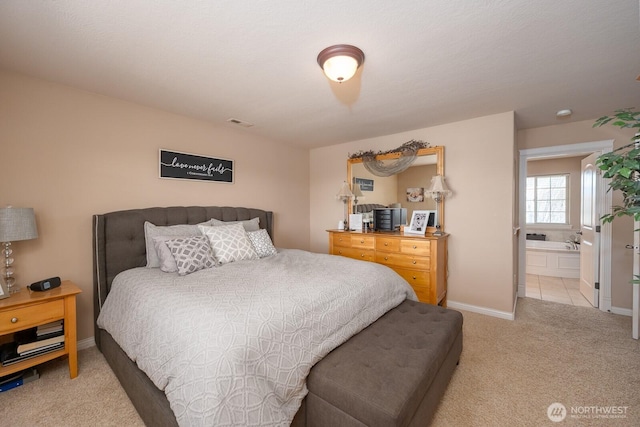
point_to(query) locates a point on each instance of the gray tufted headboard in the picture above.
(368, 207)
(118, 238)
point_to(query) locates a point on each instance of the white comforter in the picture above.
(233, 345)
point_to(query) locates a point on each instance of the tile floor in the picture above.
(556, 289)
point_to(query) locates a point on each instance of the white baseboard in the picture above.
(481, 310)
(86, 343)
(622, 311)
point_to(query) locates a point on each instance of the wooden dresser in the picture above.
(421, 260)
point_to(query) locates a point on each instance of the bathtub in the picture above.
(552, 259)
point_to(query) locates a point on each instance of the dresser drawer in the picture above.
(342, 239)
(400, 260)
(355, 253)
(415, 278)
(387, 244)
(33, 315)
(415, 247)
(362, 242)
(424, 294)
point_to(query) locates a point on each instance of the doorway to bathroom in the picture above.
(555, 245)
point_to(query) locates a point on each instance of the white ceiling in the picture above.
(428, 62)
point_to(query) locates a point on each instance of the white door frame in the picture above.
(603, 205)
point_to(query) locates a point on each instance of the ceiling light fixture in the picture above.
(564, 113)
(340, 62)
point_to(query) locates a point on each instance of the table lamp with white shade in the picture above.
(438, 190)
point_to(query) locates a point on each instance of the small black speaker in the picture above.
(45, 285)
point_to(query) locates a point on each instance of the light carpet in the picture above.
(510, 373)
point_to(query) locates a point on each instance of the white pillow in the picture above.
(229, 242)
(191, 254)
(249, 224)
(167, 261)
(262, 243)
(170, 231)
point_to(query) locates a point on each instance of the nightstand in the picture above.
(27, 309)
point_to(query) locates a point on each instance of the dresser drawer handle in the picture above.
(361, 241)
(386, 258)
(14, 320)
(415, 247)
(386, 244)
(362, 255)
(414, 261)
(340, 252)
(414, 277)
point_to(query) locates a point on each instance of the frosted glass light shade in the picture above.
(340, 68)
(340, 62)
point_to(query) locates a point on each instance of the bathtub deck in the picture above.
(553, 262)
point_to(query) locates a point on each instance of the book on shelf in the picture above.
(30, 339)
(38, 344)
(49, 328)
(9, 354)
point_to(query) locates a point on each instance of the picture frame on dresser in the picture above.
(420, 219)
(4, 290)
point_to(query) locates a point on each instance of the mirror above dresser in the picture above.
(404, 189)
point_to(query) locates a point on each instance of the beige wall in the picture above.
(479, 167)
(622, 228)
(70, 154)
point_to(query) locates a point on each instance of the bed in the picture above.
(119, 247)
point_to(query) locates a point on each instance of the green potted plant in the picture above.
(622, 165)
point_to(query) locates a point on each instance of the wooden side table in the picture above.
(27, 309)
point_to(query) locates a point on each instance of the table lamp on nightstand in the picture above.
(15, 224)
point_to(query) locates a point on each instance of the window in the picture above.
(547, 201)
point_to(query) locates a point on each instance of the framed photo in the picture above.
(355, 222)
(4, 292)
(415, 194)
(431, 218)
(419, 221)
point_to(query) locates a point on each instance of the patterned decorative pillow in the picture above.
(170, 231)
(249, 224)
(191, 254)
(262, 243)
(229, 243)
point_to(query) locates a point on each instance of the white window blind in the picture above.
(547, 199)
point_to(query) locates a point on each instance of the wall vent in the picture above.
(240, 122)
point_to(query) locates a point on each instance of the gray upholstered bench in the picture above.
(352, 386)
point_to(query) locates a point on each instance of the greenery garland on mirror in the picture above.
(409, 148)
(408, 154)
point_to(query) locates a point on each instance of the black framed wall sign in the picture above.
(178, 165)
(365, 184)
